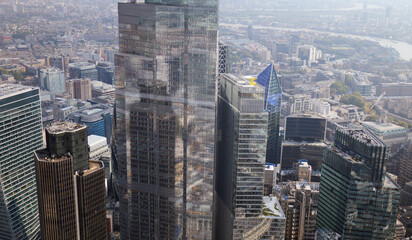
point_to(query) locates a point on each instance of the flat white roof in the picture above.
(272, 208)
(383, 127)
(96, 142)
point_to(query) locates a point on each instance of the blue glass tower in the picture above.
(273, 98)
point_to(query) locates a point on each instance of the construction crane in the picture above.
(373, 106)
(377, 102)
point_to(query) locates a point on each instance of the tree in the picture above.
(348, 79)
(338, 88)
(354, 99)
(371, 118)
(403, 124)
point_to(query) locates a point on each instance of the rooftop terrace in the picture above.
(44, 155)
(58, 127)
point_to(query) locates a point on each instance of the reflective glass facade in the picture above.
(20, 136)
(273, 97)
(305, 128)
(241, 152)
(165, 118)
(357, 199)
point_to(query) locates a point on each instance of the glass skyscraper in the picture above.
(273, 97)
(241, 210)
(357, 199)
(20, 136)
(165, 118)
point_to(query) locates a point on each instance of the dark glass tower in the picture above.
(165, 118)
(20, 135)
(357, 200)
(273, 97)
(71, 189)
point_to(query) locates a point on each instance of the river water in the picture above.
(404, 49)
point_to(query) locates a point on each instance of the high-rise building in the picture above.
(20, 135)
(166, 82)
(102, 89)
(240, 163)
(406, 195)
(71, 189)
(305, 127)
(105, 72)
(299, 201)
(357, 199)
(70, 138)
(79, 88)
(405, 164)
(304, 139)
(273, 97)
(223, 65)
(83, 70)
(98, 119)
(57, 204)
(53, 80)
(60, 62)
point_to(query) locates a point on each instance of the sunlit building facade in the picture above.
(20, 135)
(166, 77)
(70, 188)
(240, 164)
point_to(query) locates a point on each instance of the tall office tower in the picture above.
(223, 64)
(273, 97)
(91, 202)
(357, 199)
(53, 80)
(70, 138)
(20, 135)
(105, 72)
(166, 75)
(241, 210)
(299, 201)
(60, 62)
(304, 139)
(405, 164)
(79, 88)
(57, 204)
(83, 70)
(71, 189)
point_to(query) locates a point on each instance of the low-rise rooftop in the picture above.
(380, 128)
(388, 182)
(272, 208)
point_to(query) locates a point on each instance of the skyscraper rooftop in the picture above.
(364, 136)
(7, 90)
(60, 127)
